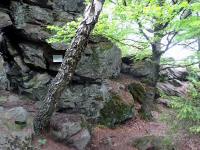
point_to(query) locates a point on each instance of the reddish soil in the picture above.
(121, 137)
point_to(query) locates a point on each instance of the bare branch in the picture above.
(142, 31)
(180, 66)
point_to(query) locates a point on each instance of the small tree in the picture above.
(68, 66)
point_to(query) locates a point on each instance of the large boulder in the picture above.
(173, 81)
(102, 59)
(143, 70)
(145, 96)
(170, 89)
(71, 130)
(108, 103)
(146, 71)
(180, 74)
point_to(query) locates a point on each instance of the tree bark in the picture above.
(68, 66)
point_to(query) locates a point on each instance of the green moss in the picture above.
(115, 111)
(138, 91)
(104, 46)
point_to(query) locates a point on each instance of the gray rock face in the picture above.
(70, 5)
(30, 56)
(96, 102)
(100, 60)
(69, 129)
(34, 55)
(180, 74)
(146, 71)
(173, 81)
(143, 70)
(170, 89)
(4, 20)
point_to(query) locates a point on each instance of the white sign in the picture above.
(57, 58)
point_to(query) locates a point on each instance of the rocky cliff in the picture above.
(29, 60)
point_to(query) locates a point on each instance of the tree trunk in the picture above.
(68, 66)
(198, 42)
(153, 77)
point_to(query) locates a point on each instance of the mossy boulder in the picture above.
(138, 91)
(153, 142)
(116, 111)
(145, 95)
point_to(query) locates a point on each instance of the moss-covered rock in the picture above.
(138, 91)
(116, 111)
(145, 96)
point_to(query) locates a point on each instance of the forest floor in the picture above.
(164, 124)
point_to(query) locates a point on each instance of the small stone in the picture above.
(1, 109)
(81, 140)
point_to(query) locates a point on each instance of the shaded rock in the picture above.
(171, 90)
(81, 140)
(180, 74)
(37, 86)
(35, 32)
(70, 5)
(24, 14)
(138, 91)
(102, 59)
(33, 55)
(153, 143)
(70, 129)
(18, 114)
(109, 103)
(87, 100)
(173, 81)
(143, 70)
(5, 20)
(120, 106)
(145, 95)
(116, 111)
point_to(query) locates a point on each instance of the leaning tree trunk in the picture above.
(68, 66)
(198, 42)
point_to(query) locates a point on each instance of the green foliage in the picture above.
(63, 34)
(188, 108)
(141, 55)
(189, 27)
(42, 142)
(119, 23)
